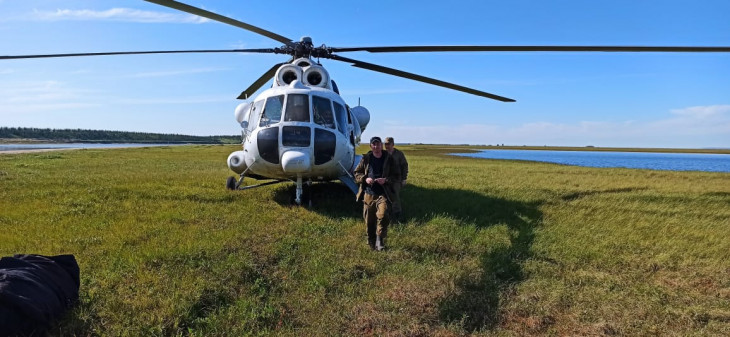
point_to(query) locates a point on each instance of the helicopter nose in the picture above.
(295, 161)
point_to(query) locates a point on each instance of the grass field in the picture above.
(494, 248)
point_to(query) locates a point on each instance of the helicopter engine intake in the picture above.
(316, 76)
(287, 74)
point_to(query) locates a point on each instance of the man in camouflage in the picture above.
(401, 165)
(375, 173)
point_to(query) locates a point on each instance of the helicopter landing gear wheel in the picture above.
(231, 183)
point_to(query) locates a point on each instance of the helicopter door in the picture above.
(341, 116)
(253, 117)
(350, 126)
(342, 125)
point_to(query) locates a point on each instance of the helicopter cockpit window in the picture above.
(341, 115)
(297, 108)
(322, 112)
(272, 110)
(253, 116)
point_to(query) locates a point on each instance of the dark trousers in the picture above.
(395, 196)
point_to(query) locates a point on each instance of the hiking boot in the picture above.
(380, 243)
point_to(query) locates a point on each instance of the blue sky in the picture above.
(569, 99)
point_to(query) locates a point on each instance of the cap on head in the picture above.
(389, 140)
(375, 139)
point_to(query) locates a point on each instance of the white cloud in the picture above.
(177, 72)
(117, 14)
(698, 121)
(50, 96)
(701, 126)
(32, 97)
(239, 45)
(172, 101)
(702, 112)
(383, 91)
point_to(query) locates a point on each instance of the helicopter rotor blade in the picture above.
(220, 18)
(412, 49)
(260, 81)
(400, 73)
(265, 50)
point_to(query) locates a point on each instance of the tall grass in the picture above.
(488, 248)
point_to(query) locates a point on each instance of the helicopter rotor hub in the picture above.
(305, 48)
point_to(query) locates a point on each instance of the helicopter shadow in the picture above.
(421, 204)
(475, 302)
(330, 198)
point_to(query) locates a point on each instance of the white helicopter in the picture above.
(300, 129)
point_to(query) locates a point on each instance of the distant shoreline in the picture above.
(33, 147)
(36, 150)
(567, 148)
(80, 141)
(25, 135)
(607, 149)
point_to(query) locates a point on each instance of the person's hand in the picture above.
(380, 181)
(369, 180)
(404, 182)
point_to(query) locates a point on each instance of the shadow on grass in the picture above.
(329, 198)
(475, 303)
(583, 194)
(78, 321)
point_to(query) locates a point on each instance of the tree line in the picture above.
(105, 136)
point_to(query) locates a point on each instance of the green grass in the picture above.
(488, 248)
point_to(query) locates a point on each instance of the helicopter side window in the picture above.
(349, 114)
(322, 111)
(253, 116)
(272, 110)
(350, 125)
(341, 118)
(297, 108)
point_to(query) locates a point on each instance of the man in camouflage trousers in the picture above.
(401, 165)
(375, 173)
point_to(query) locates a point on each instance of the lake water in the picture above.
(15, 147)
(640, 160)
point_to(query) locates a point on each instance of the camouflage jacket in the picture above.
(401, 164)
(361, 174)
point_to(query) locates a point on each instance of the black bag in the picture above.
(34, 291)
